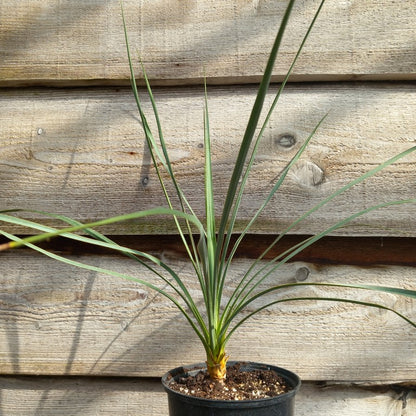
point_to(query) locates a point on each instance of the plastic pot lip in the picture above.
(291, 378)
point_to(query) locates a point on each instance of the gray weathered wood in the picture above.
(59, 320)
(81, 153)
(80, 41)
(125, 397)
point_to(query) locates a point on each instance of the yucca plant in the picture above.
(208, 241)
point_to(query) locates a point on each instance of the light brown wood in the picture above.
(59, 320)
(82, 153)
(124, 397)
(50, 42)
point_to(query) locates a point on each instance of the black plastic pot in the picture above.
(184, 405)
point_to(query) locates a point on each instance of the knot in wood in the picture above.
(286, 140)
(145, 181)
(302, 274)
(308, 173)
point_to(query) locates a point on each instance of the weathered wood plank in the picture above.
(125, 397)
(59, 320)
(80, 41)
(81, 153)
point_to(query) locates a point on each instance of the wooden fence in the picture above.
(74, 342)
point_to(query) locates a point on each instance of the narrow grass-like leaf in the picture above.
(223, 264)
(126, 217)
(327, 299)
(208, 257)
(295, 250)
(238, 191)
(20, 242)
(164, 159)
(249, 134)
(276, 187)
(102, 241)
(272, 265)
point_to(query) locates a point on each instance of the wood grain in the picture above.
(59, 320)
(125, 397)
(79, 42)
(81, 153)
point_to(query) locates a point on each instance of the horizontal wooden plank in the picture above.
(49, 42)
(60, 320)
(80, 152)
(125, 397)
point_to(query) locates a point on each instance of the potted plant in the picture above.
(211, 244)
